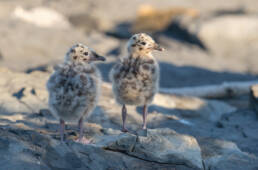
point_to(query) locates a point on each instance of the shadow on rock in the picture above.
(178, 32)
(174, 30)
(187, 76)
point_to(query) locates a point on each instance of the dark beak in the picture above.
(98, 57)
(158, 47)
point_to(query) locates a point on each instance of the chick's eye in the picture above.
(85, 53)
(143, 43)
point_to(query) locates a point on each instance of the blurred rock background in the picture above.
(206, 42)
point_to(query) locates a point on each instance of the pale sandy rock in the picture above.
(41, 17)
(230, 28)
(27, 46)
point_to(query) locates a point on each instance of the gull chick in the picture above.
(135, 78)
(74, 88)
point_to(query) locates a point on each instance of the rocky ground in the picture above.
(184, 132)
(206, 43)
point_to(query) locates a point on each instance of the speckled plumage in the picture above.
(135, 78)
(73, 90)
(74, 87)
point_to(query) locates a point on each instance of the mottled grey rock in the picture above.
(22, 92)
(224, 155)
(29, 136)
(160, 145)
(98, 158)
(27, 149)
(17, 153)
(253, 97)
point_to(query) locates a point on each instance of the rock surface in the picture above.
(42, 17)
(159, 145)
(97, 17)
(253, 98)
(181, 133)
(26, 41)
(231, 32)
(184, 133)
(219, 154)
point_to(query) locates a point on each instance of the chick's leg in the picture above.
(81, 138)
(144, 116)
(124, 112)
(62, 127)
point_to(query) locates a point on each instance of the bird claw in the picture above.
(84, 141)
(124, 130)
(62, 142)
